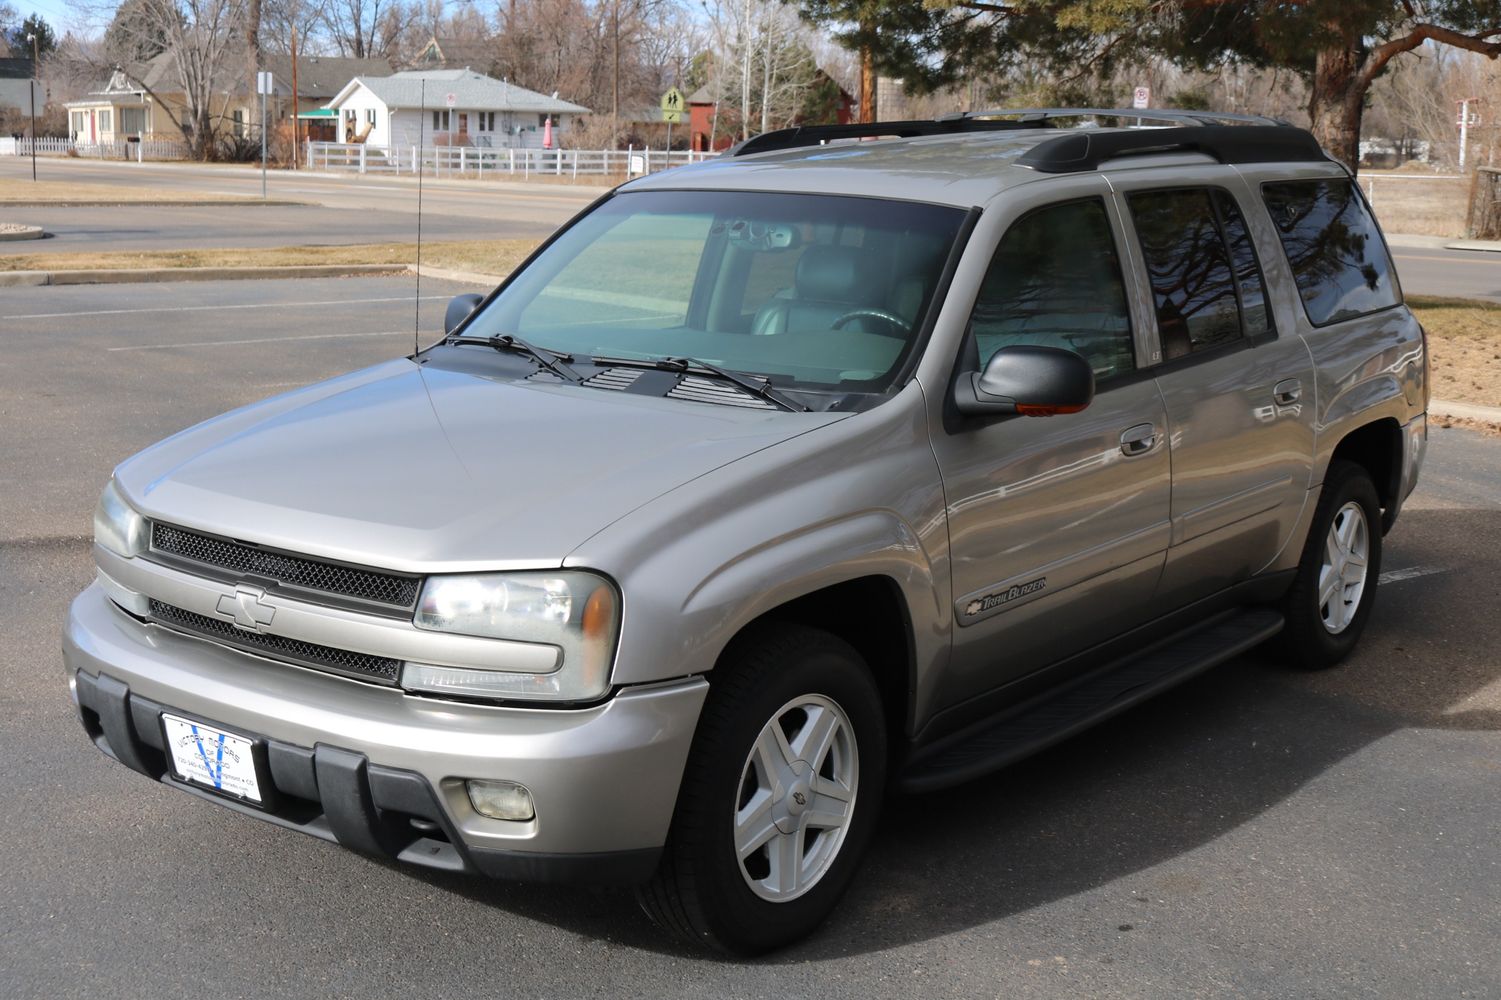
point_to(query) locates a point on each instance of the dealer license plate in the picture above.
(206, 756)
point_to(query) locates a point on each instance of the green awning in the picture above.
(317, 114)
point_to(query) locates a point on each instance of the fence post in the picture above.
(575, 164)
(463, 156)
(511, 157)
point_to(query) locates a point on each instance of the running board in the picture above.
(1056, 715)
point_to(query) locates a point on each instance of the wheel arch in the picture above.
(1377, 447)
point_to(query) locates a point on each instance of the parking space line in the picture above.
(1411, 573)
(246, 305)
(260, 340)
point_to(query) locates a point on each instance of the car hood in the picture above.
(426, 470)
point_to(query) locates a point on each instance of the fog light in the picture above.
(501, 800)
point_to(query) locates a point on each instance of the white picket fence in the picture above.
(472, 161)
(146, 149)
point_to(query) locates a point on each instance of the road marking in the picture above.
(1411, 573)
(1447, 260)
(248, 305)
(260, 340)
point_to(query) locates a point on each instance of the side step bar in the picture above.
(1056, 715)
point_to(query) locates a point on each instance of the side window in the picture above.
(1194, 285)
(1248, 279)
(1334, 249)
(1055, 281)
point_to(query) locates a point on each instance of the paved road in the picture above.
(1253, 833)
(1465, 274)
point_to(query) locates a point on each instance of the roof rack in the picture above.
(1035, 115)
(813, 135)
(1255, 139)
(1082, 150)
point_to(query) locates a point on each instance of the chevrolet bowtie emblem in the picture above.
(245, 607)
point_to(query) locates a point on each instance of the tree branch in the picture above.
(1383, 54)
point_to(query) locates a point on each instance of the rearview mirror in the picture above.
(459, 308)
(1032, 381)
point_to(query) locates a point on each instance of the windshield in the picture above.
(810, 291)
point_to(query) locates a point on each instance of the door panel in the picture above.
(1057, 526)
(1233, 385)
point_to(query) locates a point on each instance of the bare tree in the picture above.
(366, 29)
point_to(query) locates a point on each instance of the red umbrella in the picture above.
(547, 132)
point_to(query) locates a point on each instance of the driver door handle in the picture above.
(1287, 392)
(1138, 440)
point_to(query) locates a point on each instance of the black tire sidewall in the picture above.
(737, 918)
(1308, 643)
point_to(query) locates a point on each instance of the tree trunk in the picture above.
(252, 55)
(1336, 101)
(867, 85)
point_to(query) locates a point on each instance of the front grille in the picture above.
(364, 666)
(293, 571)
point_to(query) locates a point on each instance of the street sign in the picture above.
(672, 117)
(673, 101)
(1142, 97)
(451, 99)
(265, 83)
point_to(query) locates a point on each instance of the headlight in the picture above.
(117, 526)
(576, 612)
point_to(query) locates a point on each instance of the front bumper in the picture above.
(381, 771)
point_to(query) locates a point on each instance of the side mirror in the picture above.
(1032, 381)
(459, 308)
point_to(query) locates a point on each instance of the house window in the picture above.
(239, 118)
(106, 121)
(440, 121)
(487, 121)
(132, 120)
(370, 116)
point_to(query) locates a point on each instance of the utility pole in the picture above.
(615, 73)
(1464, 128)
(296, 122)
(35, 83)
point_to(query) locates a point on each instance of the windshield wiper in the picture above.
(553, 361)
(758, 387)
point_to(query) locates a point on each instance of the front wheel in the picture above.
(1332, 595)
(780, 796)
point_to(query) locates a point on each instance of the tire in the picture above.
(1322, 630)
(742, 779)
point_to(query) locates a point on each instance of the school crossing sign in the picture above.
(673, 104)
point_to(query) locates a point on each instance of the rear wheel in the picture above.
(1331, 598)
(780, 796)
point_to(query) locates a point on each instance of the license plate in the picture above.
(205, 756)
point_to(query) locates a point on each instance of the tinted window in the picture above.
(1055, 281)
(1193, 282)
(1248, 279)
(1334, 248)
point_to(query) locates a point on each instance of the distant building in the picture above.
(714, 128)
(445, 52)
(447, 107)
(123, 107)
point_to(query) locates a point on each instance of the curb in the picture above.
(151, 275)
(1464, 411)
(1493, 246)
(464, 277)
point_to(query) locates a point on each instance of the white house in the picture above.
(447, 107)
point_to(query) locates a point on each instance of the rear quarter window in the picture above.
(1334, 248)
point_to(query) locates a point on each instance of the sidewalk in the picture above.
(1414, 242)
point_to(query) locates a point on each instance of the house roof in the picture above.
(460, 53)
(470, 90)
(317, 76)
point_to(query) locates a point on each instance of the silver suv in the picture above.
(730, 511)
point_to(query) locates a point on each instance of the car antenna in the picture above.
(417, 155)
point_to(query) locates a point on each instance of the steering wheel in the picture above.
(899, 327)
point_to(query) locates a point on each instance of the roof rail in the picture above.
(1035, 115)
(1079, 150)
(813, 135)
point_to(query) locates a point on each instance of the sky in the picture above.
(60, 14)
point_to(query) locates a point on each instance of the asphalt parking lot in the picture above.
(1255, 832)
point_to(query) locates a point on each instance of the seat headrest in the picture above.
(834, 274)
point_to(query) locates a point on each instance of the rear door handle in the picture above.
(1287, 392)
(1138, 440)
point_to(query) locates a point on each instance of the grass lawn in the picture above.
(1464, 344)
(484, 256)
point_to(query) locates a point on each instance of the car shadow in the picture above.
(1157, 782)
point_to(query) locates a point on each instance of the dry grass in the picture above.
(484, 256)
(28, 192)
(1464, 345)
(1419, 207)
